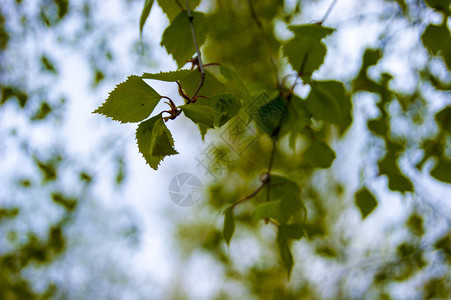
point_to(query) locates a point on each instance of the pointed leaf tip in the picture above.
(154, 141)
(145, 14)
(131, 101)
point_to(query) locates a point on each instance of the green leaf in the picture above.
(442, 171)
(283, 187)
(154, 141)
(48, 64)
(8, 213)
(171, 76)
(365, 201)
(268, 116)
(231, 75)
(297, 119)
(396, 180)
(403, 5)
(145, 13)
(379, 127)
(329, 101)
(443, 118)
(362, 82)
(306, 52)
(131, 101)
(285, 252)
(313, 31)
(288, 192)
(211, 86)
(212, 112)
(442, 5)
(436, 38)
(229, 225)
(267, 209)
(178, 39)
(44, 110)
(226, 106)
(162, 143)
(203, 130)
(199, 114)
(319, 154)
(293, 231)
(172, 9)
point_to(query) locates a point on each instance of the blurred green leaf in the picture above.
(288, 192)
(172, 9)
(319, 154)
(362, 82)
(297, 119)
(8, 213)
(226, 106)
(131, 101)
(268, 115)
(415, 224)
(48, 64)
(379, 127)
(293, 231)
(43, 112)
(267, 209)
(229, 224)
(396, 180)
(67, 203)
(443, 118)
(437, 38)
(442, 5)
(48, 169)
(442, 170)
(306, 52)
(365, 201)
(329, 101)
(234, 79)
(285, 252)
(178, 39)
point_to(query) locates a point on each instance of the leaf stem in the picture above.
(199, 57)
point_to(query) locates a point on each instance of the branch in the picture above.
(201, 66)
(267, 40)
(331, 6)
(263, 180)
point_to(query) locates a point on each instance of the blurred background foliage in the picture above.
(378, 225)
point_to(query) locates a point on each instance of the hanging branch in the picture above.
(266, 177)
(199, 58)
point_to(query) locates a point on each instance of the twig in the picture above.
(267, 40)
(201, 66)
(331, 6)
(254, 193)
